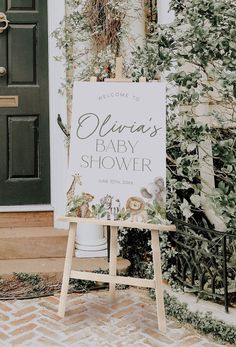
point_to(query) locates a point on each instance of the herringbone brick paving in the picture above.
(92, 320)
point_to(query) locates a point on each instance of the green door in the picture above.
(24, 119)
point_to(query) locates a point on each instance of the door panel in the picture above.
(21, 5)
(22, 57)
(24, 130)
(23, 147)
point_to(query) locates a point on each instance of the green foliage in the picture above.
(156, 213)
(74, 204)
(123, 214)
(81, 285)
(136, 246)
(197, 54)
(99, 211)
(78, 285)
(203, 322)
(224, 152)
(77, 201)
(32, 279)
(89, 39)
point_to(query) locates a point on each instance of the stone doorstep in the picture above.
(33, 242)
(55, 266)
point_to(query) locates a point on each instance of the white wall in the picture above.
(164, 15)
(135, 22)
(57, 104)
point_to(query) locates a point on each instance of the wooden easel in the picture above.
(112, 277)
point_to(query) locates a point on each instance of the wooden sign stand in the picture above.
(112, 277)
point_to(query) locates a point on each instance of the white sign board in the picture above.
(117, 163)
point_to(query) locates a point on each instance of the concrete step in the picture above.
(31, 243)
(26, 219)
(55, 266)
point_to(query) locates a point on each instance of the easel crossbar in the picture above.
(129, 281)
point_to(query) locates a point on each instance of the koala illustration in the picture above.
(136, 207)
(155, 191)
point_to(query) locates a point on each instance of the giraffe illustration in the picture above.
(71, 191)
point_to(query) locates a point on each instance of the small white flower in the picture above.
(185, 208)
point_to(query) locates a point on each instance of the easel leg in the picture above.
(113, 258)
(67, 269)
(161, 318)
(108, 242)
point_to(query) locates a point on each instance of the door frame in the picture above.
(57, 105)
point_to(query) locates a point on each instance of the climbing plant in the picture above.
(197, 55)
(90, 37)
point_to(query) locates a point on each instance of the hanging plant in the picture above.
(105, 19)
(89, 38)
(150, 7)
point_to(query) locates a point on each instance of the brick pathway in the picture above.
(91, 320)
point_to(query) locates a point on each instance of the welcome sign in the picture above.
(117, 158)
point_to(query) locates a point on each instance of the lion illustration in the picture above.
(136, 207)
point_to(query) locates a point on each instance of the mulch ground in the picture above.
(28, 286)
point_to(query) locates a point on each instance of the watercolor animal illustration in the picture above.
(83, 211)
(112, 207)
(106, 202)
(136, 207)
(71, 191)
(155, 191)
